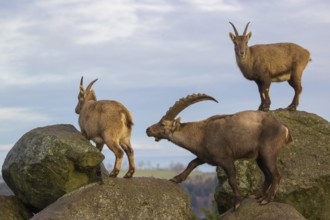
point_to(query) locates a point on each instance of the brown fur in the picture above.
(106, 122)
(222, 139)
(266, 63)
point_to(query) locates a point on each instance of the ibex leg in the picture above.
(191, 166)
(295, 83)
(130, 155)
(263, 88)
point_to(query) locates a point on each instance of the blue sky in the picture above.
(147, 54)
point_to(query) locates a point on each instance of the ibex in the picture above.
(222, 139)
(266, 63)
(106, 122)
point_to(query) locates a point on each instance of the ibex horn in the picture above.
(81, 85)
(236, 33)
(90, 85)
(246, 27)
(184, 103)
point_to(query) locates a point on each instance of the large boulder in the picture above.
(49, 162)
(304, 166)
(12, 208)
(250, 209)
(119, 198)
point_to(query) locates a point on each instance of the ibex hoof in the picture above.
(237, 203)
(175, 180)
(263, 108)
(236, 206)
(264, 202)
(129, 174)
(113, 174)
(291, 108)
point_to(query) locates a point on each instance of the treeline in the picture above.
(200, 188)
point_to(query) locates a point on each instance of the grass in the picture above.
(162, 174)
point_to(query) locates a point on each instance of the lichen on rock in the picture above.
(49, 162)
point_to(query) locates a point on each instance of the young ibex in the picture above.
(222, 139)
(270, 63)
(106, 122)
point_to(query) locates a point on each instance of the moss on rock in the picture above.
(48, 162)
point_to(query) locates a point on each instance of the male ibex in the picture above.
(222, 139)
(106, 122)
(270, 63)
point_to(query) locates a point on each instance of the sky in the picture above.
(147, 54)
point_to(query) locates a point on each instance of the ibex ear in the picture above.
(232, 36)
(176, 123)
(249, 35)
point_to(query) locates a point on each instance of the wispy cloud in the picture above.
(17, 115)
(5, 147)
(93, 22)
(215, 5)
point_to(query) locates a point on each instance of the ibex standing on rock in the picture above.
(222, 139)
(106, 122)
(270, 63)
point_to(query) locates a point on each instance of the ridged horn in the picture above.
(88, 89)
(236, 33)
(184, 103)
(246, 27)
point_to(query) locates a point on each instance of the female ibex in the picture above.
(222, 139)
(270, 63)
(106, 122)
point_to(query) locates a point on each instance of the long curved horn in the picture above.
(90, 85)
(246, 27)
(234, 28)
(184, 103)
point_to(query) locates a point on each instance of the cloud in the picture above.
(215, 5)
(21, 115)
(93, 22)
(5, 147)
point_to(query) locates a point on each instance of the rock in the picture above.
(304, 166)
(250, 209)
(119, 198)
(49, 162)
(12, 208)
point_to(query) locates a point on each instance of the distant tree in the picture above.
(141, 164)
(177, 167)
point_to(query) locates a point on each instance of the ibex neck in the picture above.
(189, 136)
(245, 64)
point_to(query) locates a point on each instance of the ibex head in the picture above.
(85, 95)
(240, 41)
(168, 124)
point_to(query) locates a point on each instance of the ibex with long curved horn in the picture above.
(106, 122)
(268, 63)
(222, 139)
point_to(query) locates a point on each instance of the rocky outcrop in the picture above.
(12, 208)
(250, 209)
(49, 162)
(304, 166)
(119, 198)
